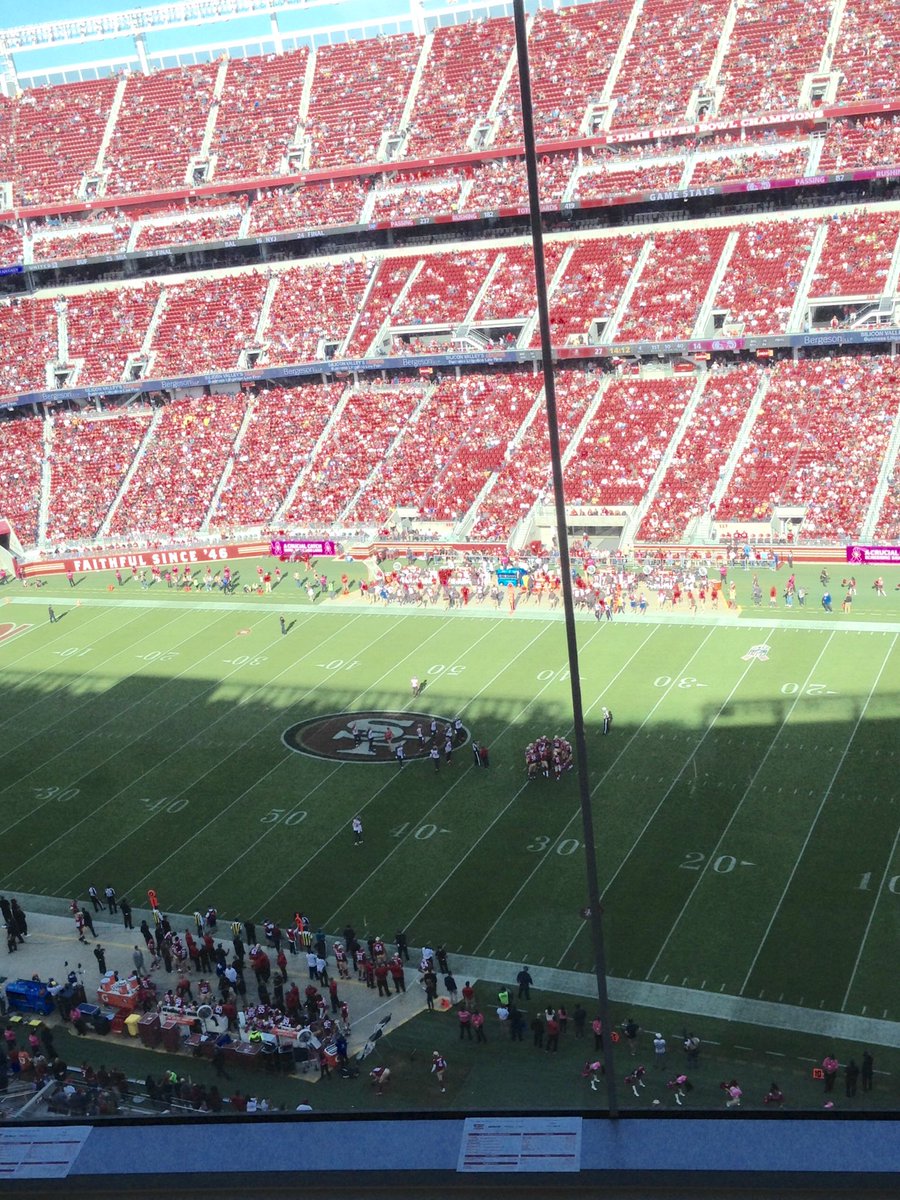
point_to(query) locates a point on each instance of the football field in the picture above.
(745, 799)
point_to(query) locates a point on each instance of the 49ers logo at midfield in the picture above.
(372, 736)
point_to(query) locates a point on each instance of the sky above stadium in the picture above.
(14, 13)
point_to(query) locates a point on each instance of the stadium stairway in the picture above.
(704, 528)
(612, 326)
(491, 116)
(633, 524)
(703, 326)
(795, 321)
(624, 42)
(889, 467)
(103, 531)
(113, 117)
(406, 116)
(44, 510)
(209, 131)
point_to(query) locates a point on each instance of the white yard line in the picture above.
(91, 735)
(675, 779)
(391, 777)
(92, 668)
(92, 812)
(459, 779)
(235, 750)
(701, 875)
(525, 785)
(865, 937)
(815, 821)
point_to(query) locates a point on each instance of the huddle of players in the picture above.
(548, 756)
(441, 735)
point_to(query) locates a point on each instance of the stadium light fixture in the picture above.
(594, 914)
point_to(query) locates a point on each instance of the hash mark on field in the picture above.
(666, 980)
(742, 1047)
(542, 959)
(776, 1054)
(702, 985)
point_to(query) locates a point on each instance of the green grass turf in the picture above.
(746, 816)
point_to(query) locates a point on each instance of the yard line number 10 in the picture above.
(892, 884)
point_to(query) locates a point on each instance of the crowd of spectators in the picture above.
(258, 113)
(819, 443)
(864, 142)
(670, 53)
(358, 94)
(773, 46)
(571, 51)
(350, 455)
(666, 302)
(463, 70)
(50, 138)
(866, 52)
(764, 273)
(248, 119)
(774, 162)
(856, 257)
(90, 457)
(624, 440)
(283, 428)
(686, 490)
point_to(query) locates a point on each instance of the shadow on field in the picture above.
(773, 809)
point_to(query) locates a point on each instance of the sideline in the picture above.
(272, 609)
(640, 993)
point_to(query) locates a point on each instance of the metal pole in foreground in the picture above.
(584, 791)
